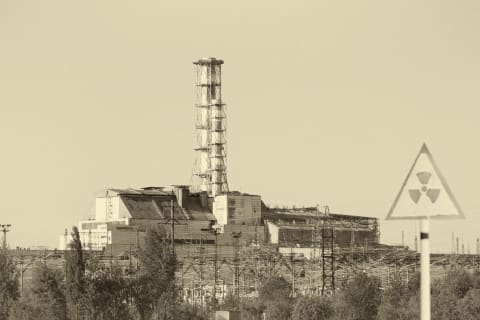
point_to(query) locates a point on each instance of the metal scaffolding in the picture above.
(210, 172)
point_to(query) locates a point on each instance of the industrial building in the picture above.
(215, 229)
(123, 216)
(207, 206)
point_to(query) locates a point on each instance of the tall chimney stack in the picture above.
(210, 171)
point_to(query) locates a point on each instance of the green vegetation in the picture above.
(46, 298)
(153, 290)
(8, 284)
(313, 308)
(86, 289)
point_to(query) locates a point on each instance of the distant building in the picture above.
(122, 217)
(212, 214)
(123, 214)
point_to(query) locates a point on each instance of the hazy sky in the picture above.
(328, 103)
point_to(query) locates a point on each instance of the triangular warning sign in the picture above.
(424, 193)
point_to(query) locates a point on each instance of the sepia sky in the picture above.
(328, 103)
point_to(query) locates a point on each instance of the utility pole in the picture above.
(130, 258)
(332, 259)
(215, 265)
(365, 253)
(236, 280)
(352, 241)
(458, 247)
(136, 248)
(324, 276)
(453, 243)
(478, 253)
(292, 263)
(172, 225)
(5, 228)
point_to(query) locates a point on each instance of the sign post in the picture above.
(424, 195)
(424, 269)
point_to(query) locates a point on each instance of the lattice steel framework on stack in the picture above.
(210, 171)
(328, 256)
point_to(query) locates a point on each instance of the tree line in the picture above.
(86, 289)
(455, 296)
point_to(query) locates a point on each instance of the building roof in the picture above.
(152, 191)
(312, 212)
(238, 193)
(155, 204)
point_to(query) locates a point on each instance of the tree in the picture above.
(469, 305)
(154, 287)
(8, 283)
(48, 292)
(75, 268)
(458, 282)
(444, 305)
(26, 308)
(312, 308)
(274, 294)
(186, 311)
(74, 273)
(252, 309)
(395, 303)
(447, 292)
(360, 298)
(230, 302)
(106, 294)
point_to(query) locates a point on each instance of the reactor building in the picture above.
(207, 211)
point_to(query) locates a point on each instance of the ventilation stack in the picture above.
(210, 172)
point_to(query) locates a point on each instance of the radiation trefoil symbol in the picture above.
(431, 193)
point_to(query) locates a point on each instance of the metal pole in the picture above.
(333, 261)
(215, 266)
(293, 273)
(21, 278)
(172, 222)
(425, 269)
(130, 258)
(478, 252)
(183, 283)
(111, 249)
(136, 250)
(453, 243)
(324, 276)
(236, 236)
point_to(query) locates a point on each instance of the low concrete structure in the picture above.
(228, 315)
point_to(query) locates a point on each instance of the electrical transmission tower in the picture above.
(328, 257)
